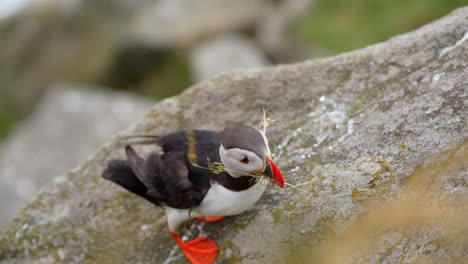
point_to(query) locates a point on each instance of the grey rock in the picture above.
(355, 126)
(223, 54)
(63, 131)
(182, 22)
(89, 41)
(56, 41)
(275, 31)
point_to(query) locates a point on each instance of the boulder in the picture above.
(114, 43)
(180, 23)
(67, 125)
(276, 32)
(223, 54)
(352, 129)
(56, 41)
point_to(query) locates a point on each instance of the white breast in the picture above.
(220, 201)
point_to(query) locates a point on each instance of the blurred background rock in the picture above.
(155, 49)
(65, 127)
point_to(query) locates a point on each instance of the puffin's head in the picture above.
(244, 150)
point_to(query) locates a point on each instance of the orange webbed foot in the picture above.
(210, 218)
(201, 250)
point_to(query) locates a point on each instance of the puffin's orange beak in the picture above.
(272, 171)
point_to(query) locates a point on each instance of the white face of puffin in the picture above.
(244, 150)
(239, 162)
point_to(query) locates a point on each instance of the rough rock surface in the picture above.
(355, 124)
(64, 130)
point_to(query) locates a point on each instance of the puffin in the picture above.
(200, 174)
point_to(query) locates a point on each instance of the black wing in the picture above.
(160, 181)
(203, 145)
(174, 182)
(121, 173)
(171, 178)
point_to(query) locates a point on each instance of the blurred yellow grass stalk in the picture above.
(422, 203)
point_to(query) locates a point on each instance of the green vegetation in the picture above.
(7, 120)
(345, 25)
(154, 73)
(170, 79)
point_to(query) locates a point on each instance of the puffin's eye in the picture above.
(245, 160)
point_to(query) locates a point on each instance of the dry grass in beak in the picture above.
(266, 122)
